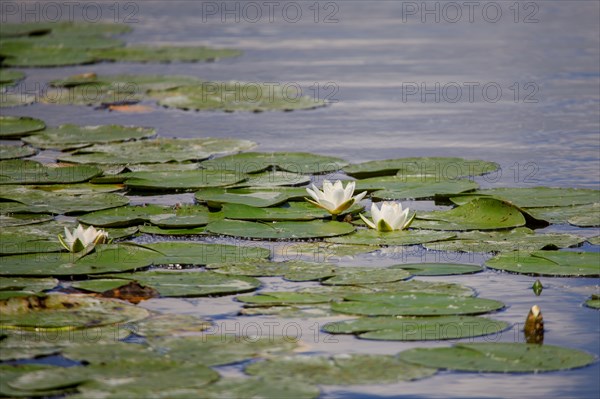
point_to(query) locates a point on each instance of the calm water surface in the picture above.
(543, 129)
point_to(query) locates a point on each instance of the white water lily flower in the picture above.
(334, 198)
(82, 238)
(390, 217)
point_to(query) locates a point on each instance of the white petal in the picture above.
(375, 213)
(327, 187)
(337, 197)
(349, 190)
(368, 222)
(327, 205)
(360, 196)
(313, 194)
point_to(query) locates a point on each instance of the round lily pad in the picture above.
(273, 178)
(417, 329)
(15, 152)
(340, 369)
(397, 188)
(257, 197)
(156, 151)
(124, 216)
(520, 238)
(58, 311)
(30, 285)
(438, 269)
(33, 56)
(192, 284)
(283, 298)
(70, 136)
(104, 259)
(8, 76)
(441, 168)
(578, 215)
(366, 275)
(184, 180)
(235, 96)
(293, 271)
(293, 162)
(593, 302)
(13, 127)
(22, 219)
(548, 263)
(171, 232)
(499, 357)
(536, 197)
(291, 211)
(193, 253)
(414, 304)
(479, 214)
(402, 237)
(31, 172)
(279, 230)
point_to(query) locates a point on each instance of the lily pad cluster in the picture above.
(68, 43)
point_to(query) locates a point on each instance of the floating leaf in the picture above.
(27, 200)
(254, 388)
(22, 219)
(594, 240)
(397, 188)
(157, 151)
(417, 329)
(593, 302)
(28, 56)
(169, 325)
(479, 214)
(536, 197)
(8, 99)
(366, 275)
(273, 178)
(442, 168)
(13, 372)
(15, 152)
(293, 162)
(499, 357)
(162, 54)
(26, 285)
(402, 237)
(578, 215)
(291, 211)
(235, 96)
(9, 77)
(185, 180)
(256, 197)
(31, 172)
(58, 311)
(192, 284)
(70, 136)
(171, 232)
(283, 298)
(438, 269)
(192, 253)
(521, 238)
(340, 369)
(104, 259)
(548, 263)
(414, 304)
(13, 127)
(293, 271)
(321, 251)
(279, 230)
(125, 215)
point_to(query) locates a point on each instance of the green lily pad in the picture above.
(28, 56)
(321, 251)
(578, 215)
(185, 180)
(40, 29)
(499, 357)
(162, 54)
(26, 200)
(137, 83)
(235, 96)
(8, 99)
(71, 136)
(192, 253)
(22, 219)
(79, 188)
(256, 197)
(536, 197)
(479, 214)
(293, 271)
(548, 263)
(366, 275)
(169, 325)
(414, 304)
(251, 388)
(8, 76)
(15, 152)
(417, 329)
(442, 168)
(397, 188)
(171, 232)
(340, 369)
(593, 302)
(14, 127)
(58, 311)
(438, 269)
(279, 230)
(31, 172)
(396, 287)
(104, 259)
(402, 237)
(521, 238)
(156, 151)
(279, 298)
(13, 372)
(290, 212)
(192, 284)
(273, 178)
(185, 217)
(594, 240)
(26, 285)
(124, 216)
(293, 162)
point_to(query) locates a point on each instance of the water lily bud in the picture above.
(534, 326)
(537, 287)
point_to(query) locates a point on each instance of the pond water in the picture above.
(522, 91)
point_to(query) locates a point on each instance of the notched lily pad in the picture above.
(417, 329)
(548, 263)
(279, 230)
(499, 357)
